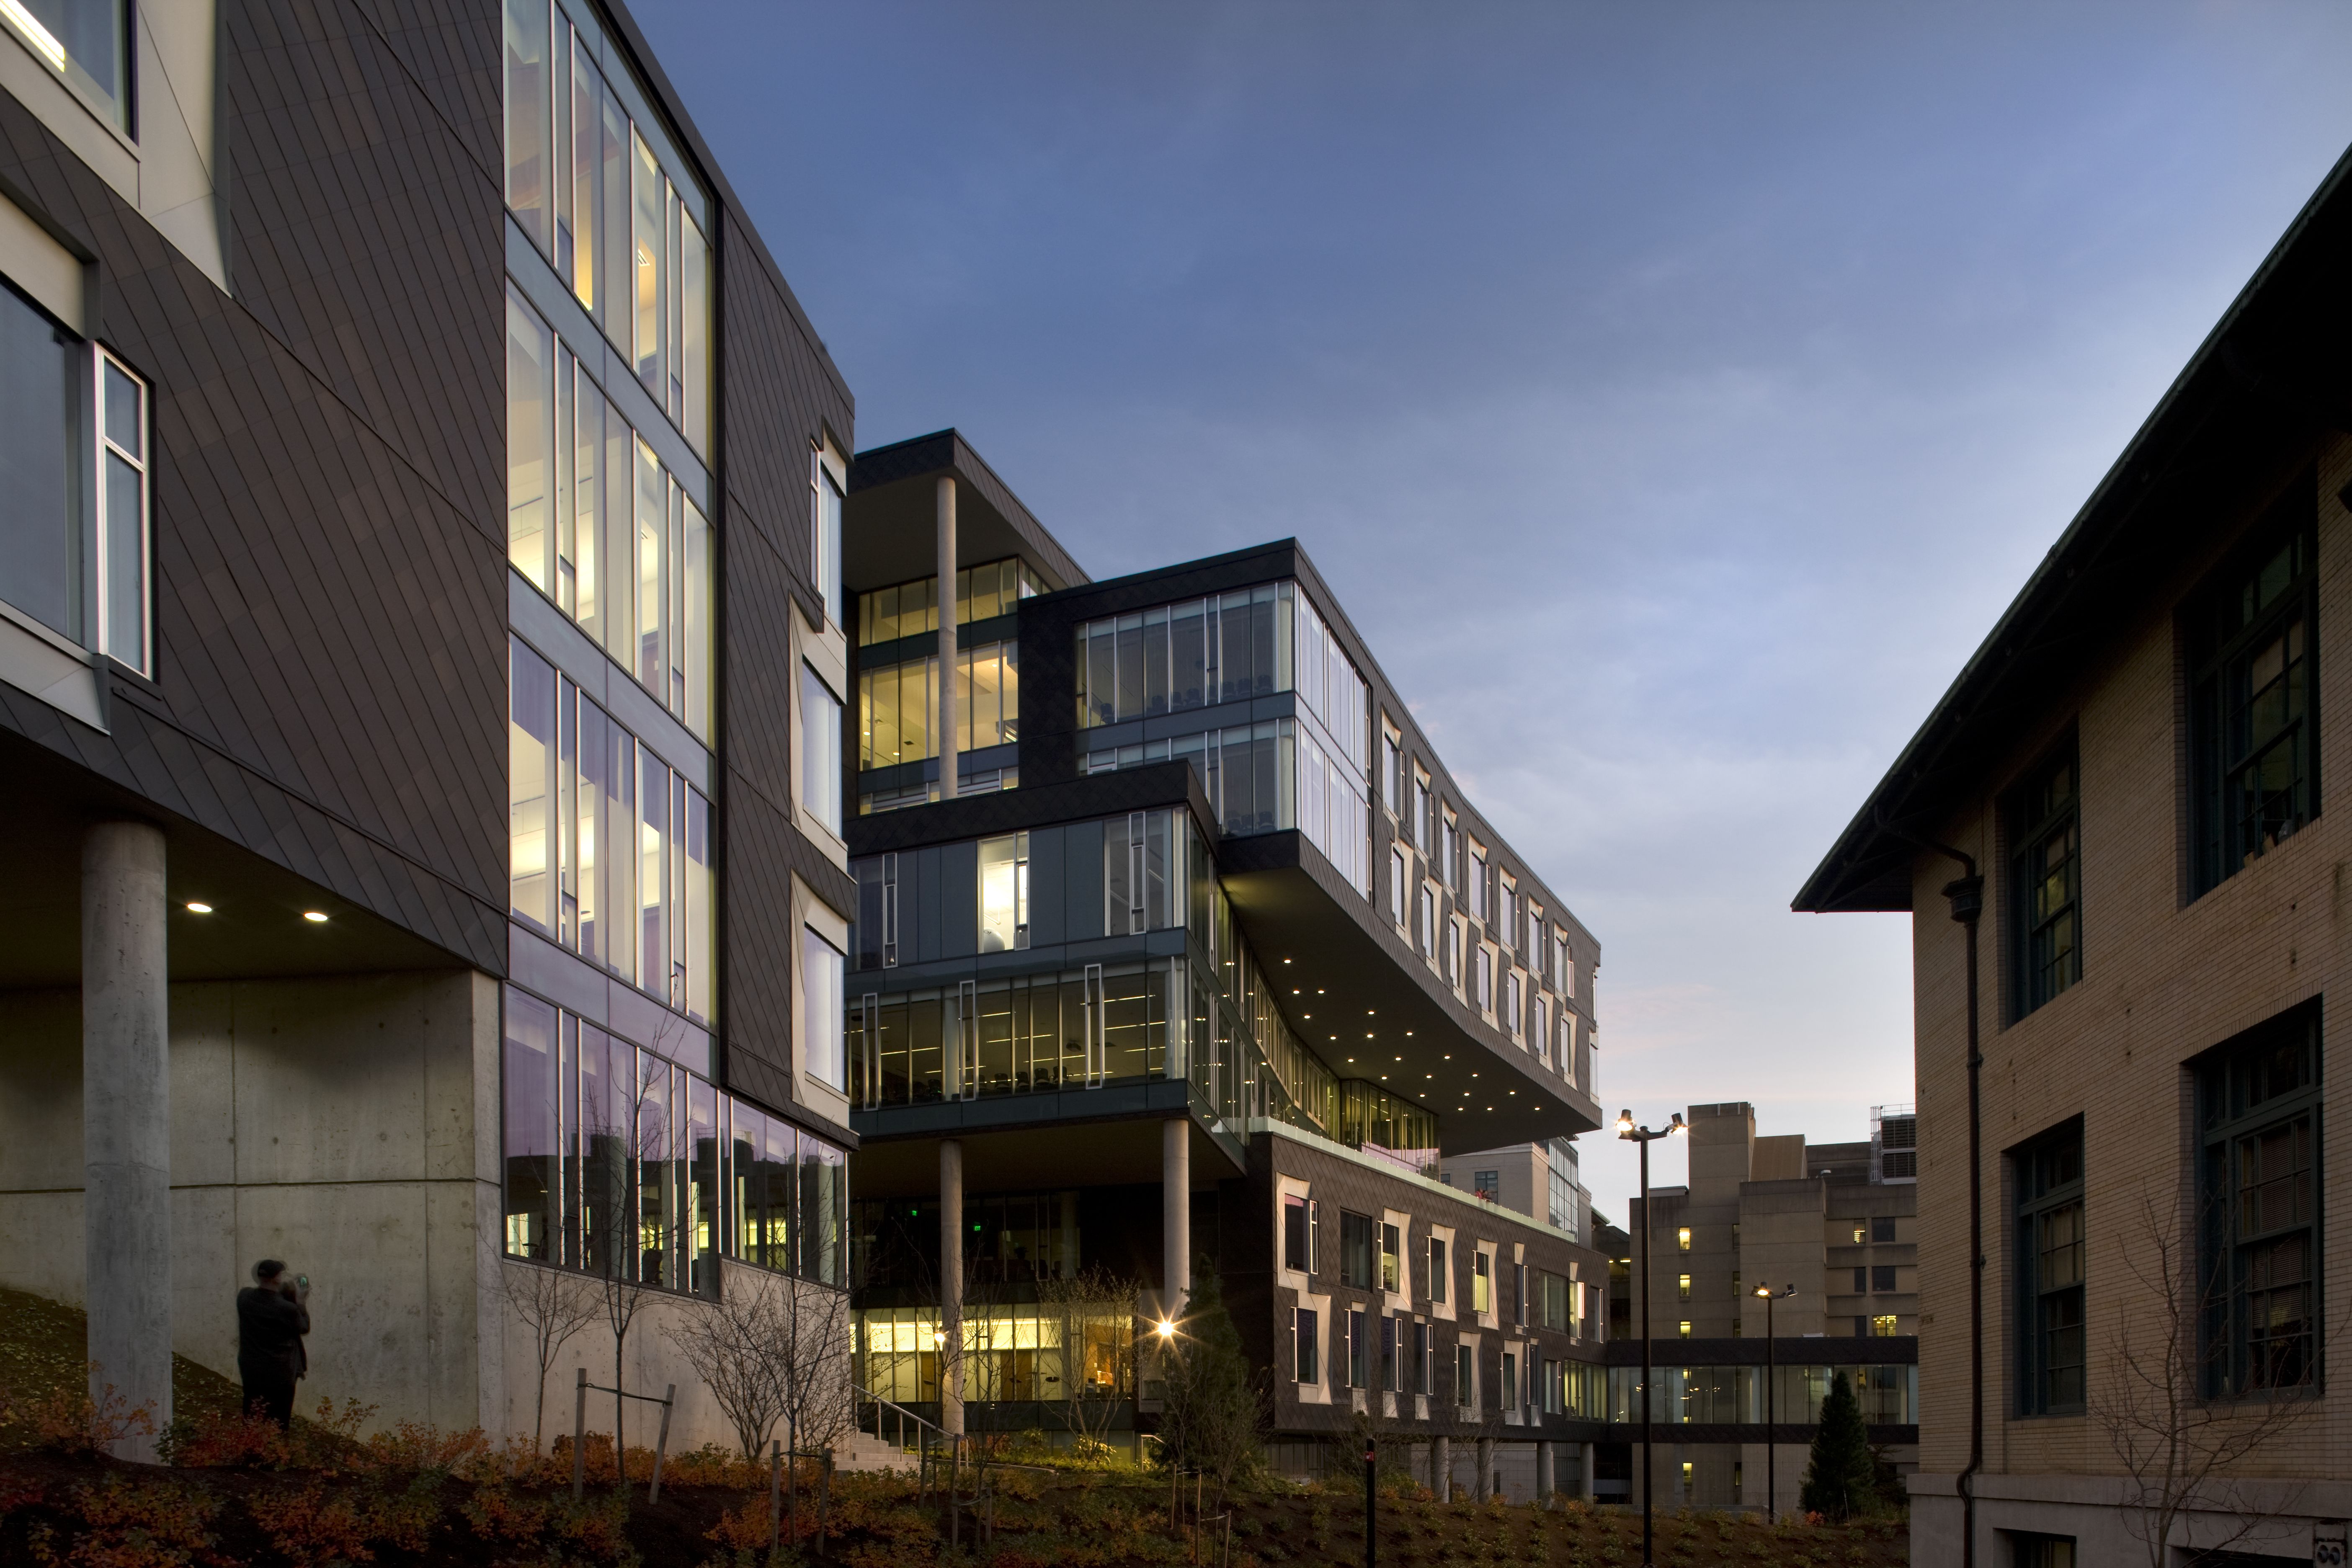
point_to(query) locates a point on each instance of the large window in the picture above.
(1305, 1349)
(2253, 713)
(1146, 878)
(605, 196)
(74, 545)
(1297, 1254)
(621, 1162)
(2258, 1111)
(609, 848)
(87, 43)
(1356, 1232)
(2050, 1258)
(898, 705)
(600, 526)
(820, 751)
(911, 609)
(822, 964)
(2045, 882)
(1005, 893)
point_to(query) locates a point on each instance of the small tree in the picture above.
(2179, 1450)
(629, 1137)
(554, 1304)
(1842, 1477)
(1215, 1410)
(735, 1345)
(811, 1362)
(1094, 1311)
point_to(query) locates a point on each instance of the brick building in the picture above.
(2129, 915)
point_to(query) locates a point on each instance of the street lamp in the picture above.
(1771, 1414)
(1642, 1138)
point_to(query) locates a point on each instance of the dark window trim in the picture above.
(2039, 1198)
(2216, 665)
(2035, 820)
(2226, 1125)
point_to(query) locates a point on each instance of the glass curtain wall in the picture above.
(601, 194)
(1889, 1395)
(1310, 772)
(897, 705)
(600, 526)
(610, 850)
(910, 609)
(623, 1163)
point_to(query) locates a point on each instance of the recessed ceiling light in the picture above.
(195, 908)
(316, 917)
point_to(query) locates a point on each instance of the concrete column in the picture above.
(1485, 1468)
(947, 597)
(1176, 1209)
(1545, 1485)
(1441, 1468)
(1584, 1486)
(126, 1123)
(951, 1286)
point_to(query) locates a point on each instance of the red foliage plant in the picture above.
(135, 1524)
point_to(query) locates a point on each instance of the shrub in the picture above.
(310, 1526)
(137, 1524)
(67, 1421)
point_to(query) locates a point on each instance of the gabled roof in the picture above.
(2267, 385)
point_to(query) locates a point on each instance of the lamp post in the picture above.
(1642, 1138)
(1772, 1415)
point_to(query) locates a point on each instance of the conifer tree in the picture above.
(1216, 1408)
(1842, 1477)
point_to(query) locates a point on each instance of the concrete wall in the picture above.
(348, 1125)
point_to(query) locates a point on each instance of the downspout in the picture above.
(1966, 896)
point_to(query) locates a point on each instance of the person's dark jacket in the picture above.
(270, 1329)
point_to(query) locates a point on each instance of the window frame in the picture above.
(2226, 1125)
(2218, 658)
(2041, 971)
(142, 552)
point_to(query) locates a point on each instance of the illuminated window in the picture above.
(1883, 1325)
(1681, 1238)
(1685, 1329)
(1682, 1286)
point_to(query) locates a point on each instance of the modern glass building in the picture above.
(422, 673)
(1188, 955)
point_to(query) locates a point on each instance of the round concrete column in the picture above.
(1485, 1468)
(1441, 1468)
(1176, 1210)
(950, 1285)
(1545, 1485)
(126, 1123)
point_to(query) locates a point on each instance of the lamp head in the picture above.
(1167, 1330)
(1624, 1124)
(1763, 1291)
(1676, 1125)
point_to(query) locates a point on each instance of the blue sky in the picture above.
(1672, 393)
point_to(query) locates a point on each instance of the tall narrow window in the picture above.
(822, 1046)
(1005, 893)
(528, 123)
(1428, 932)
(820, 751)
(824, 537)
(122, 598)
(2045, 881)
(2258, 1099)
(2049, 1256)
(1306, 1352)
(530, 785)
(2252, 711)
(1294, 1254)
(1424, 821)
(1438, 1272)
(1396, 887)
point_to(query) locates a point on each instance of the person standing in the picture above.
(271, 1319)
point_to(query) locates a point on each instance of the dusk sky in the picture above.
(1672, 393)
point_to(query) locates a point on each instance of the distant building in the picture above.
(1826, 1218)
(1539, 1180)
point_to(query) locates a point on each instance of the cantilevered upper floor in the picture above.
(1194, 836)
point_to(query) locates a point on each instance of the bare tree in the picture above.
(811, 1365)
(554, 1304)
(629, 1166)
(1095, 1311)
(735, 1345)
(2180, 1450)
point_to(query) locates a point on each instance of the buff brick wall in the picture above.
(2162, 981)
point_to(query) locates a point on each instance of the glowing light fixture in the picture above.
(316, 917)
(196, 908)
